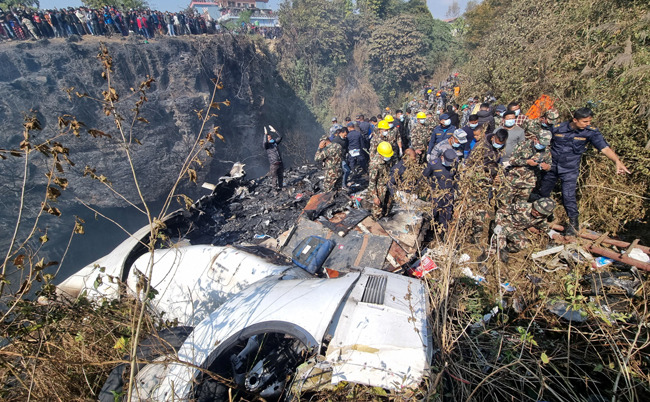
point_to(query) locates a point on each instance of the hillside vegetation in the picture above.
(582, 53)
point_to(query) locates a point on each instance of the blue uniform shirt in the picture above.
(568, 145)
(440, 134)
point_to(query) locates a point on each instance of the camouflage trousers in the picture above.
(515, 240)
(386, 203)
(332, 181)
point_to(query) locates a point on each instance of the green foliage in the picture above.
(6, 4)
(581, 53)
(328, 52)
(121, 4)
(394, 66)
(245, 16)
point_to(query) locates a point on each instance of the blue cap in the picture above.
(444, 116)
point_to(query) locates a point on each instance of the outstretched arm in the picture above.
(620, 167)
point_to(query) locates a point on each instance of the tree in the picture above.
(121, 4)
(471, 4)
(454, 10)
(20, 3)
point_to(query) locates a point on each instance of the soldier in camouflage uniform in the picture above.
(420, 136)
(498, 115)
(529, 160)
(379, 175)
(545, 122)
(512, 221)
(384, 133)
(331, 155)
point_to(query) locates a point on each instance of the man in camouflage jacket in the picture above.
(379, 175)
(330, 154)
(528, 162)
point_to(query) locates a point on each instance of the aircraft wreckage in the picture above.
(277, 294)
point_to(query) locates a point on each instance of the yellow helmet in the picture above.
(429, 91)
(421, 115)
(383, 125)
(389, 118)
(385, 149)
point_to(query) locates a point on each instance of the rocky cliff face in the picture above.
(34, 74)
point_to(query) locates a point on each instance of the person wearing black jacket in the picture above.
(276, 169)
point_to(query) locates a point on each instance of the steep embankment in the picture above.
(34, 75)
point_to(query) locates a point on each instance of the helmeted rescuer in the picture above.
(513, 221)
(569, 142)
(276, 168)
(378, 177)
(420, 135)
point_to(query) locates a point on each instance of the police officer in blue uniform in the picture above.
(442, 178)
(569, 142)
(442, 132)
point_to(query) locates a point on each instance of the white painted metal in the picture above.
(383, 345)
(192, 282)
(308, 304)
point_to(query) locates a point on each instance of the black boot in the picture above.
(573, 227)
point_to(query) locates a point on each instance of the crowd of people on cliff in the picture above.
(26, 24)
(501, 162)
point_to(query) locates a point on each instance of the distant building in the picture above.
(225, 11)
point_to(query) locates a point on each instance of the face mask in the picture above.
(545, 125)
(501, 114)
(384, 133)
(438, 112)
(456, 145)
(446, 122)
(497, 146)
(271, 141)
(539, 147)
(509, 122)
(386, 158)
(422, 120)
(401, 118)
(390, 125)
(444, 163)
(517, 112)
(473, 125)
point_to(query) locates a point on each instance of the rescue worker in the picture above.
(384, 133)
(516, 135)
(441, 132)
(441, 174)
(484, 168)
(420, 135)
(456, 143)
(356, 151)
(569, 142)
(276, 168)
(379, 175)
(528, 162)
(394, 133)
(330, 154)
(499, 111)
(340, 137)
(513, 220)
(335, 126)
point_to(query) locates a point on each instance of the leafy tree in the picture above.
(121, 4)
(454, 10)
(395, 55)
(6, 4)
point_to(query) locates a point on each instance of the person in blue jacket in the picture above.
(569, 142)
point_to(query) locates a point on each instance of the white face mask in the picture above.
(517, 112)
(422, 120)
(509, 122)
(446, 122)
(386, 158)
(391, 125)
